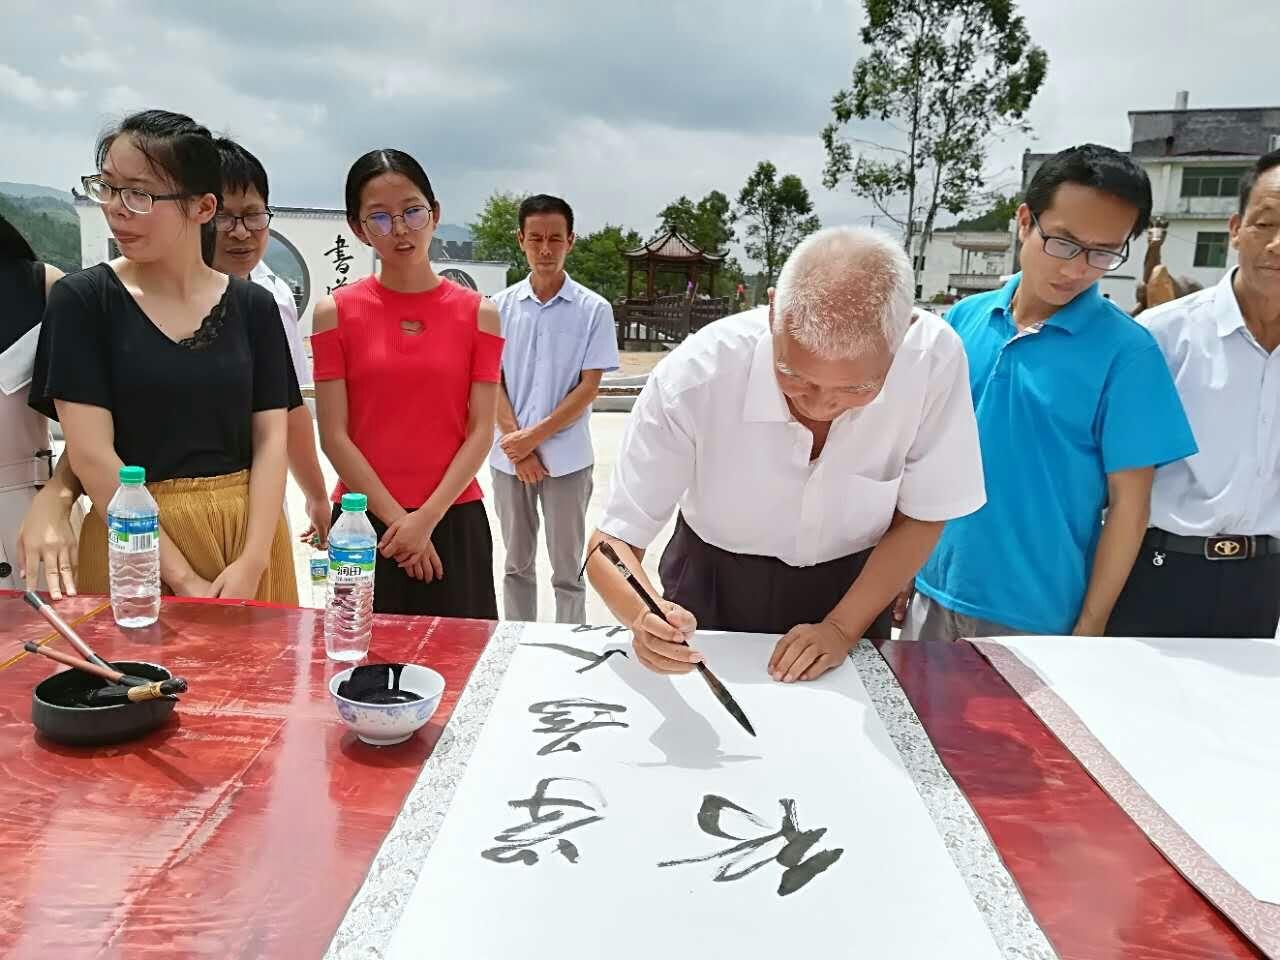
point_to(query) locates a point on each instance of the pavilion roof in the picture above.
(671, 245)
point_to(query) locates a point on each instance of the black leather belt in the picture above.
(1232, 547)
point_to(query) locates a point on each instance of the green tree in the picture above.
(996, 217)
(949, 75)
(728, 277)
(597, 263)
(778, 214)
(494, 234)
(707, 223)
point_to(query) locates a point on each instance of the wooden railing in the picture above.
(665, 320)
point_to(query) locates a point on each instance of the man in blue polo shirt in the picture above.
(1075, 409)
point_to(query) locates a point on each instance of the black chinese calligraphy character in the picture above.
(339, 251)
(796, 872)
(595, 658)
(516, 844)
(609, 631)
(341, 261)
(557, 716)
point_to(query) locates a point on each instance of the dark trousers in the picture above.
(752, 594)
(1189, 596)
(465, 544)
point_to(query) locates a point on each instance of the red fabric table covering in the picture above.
(245, 826)
(240, 829)
(1093, 881)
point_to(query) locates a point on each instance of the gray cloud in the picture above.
(620, 107)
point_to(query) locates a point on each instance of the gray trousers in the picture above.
(564, 504)
(929, 620)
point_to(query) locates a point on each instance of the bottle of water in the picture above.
(133, 549)
(319, 565)
(348, 614)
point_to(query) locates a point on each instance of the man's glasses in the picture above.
(415, 218)
(1096, 257)
(253, 222)
(134, 200)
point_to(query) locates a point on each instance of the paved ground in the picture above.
(632, 363)
(606, 431)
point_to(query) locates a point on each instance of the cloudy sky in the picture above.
(620, 107)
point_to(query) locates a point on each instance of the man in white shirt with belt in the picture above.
(1210, 563)
(815, 448)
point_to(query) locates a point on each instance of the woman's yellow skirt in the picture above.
(207, 518)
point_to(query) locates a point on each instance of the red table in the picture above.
(1093, 881)
(243, 827)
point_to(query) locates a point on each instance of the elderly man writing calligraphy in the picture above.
(814, 448)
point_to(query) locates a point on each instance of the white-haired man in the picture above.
(814, 449)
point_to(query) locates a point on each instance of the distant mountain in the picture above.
(59, 210)
(50, 226)
(284, 263)
(451, 231)
(26, 190)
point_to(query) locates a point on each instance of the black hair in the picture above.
(545, 203)
(1091, 165)
(175, 146)
(240, 168)
(1266, 162)
(377, 162)
(13, 245)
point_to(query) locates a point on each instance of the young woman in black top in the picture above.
(159, 361)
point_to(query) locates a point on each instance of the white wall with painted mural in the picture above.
(313, 249)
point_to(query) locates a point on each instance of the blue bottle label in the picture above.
(347, 564)
(133, 534)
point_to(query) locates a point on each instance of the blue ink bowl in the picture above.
(383, 724)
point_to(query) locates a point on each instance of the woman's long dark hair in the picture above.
(178, 149)
(377, 162)
(13, 245)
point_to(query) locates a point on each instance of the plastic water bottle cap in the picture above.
(354, 502)
(132, 475)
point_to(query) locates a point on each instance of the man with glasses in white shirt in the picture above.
(240, 243)
(814, 448)
(1210, 562)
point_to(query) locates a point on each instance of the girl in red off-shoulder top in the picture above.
(406, 368)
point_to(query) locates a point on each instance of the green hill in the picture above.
(50, 225)
(26, 190)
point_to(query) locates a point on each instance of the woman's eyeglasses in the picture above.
(134, 200)
(381, 224)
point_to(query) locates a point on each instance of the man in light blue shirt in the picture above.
(560, 340)
(1076, 409)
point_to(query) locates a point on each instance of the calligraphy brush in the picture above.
(717, 688)
(64, 628)
(131, 688)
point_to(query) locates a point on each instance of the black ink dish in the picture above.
(59, 712)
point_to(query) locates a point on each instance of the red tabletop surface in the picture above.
(240, 829)
(244, 827)
(1093, 881)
